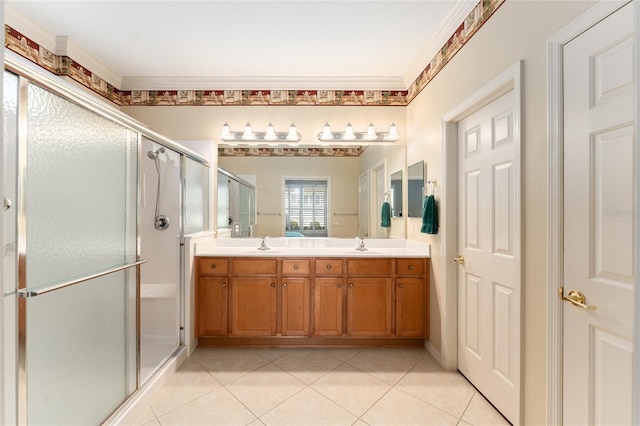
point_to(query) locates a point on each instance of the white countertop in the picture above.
(312, 247)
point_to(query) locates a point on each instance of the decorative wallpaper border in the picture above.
(67, 67)
(291, 152)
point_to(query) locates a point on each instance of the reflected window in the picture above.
(305, 205)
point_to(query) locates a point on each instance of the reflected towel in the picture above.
(385, 219)
(429, 216)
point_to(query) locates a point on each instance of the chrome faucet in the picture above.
(263, 245)
(361, 246)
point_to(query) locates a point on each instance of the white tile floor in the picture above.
(320, 386)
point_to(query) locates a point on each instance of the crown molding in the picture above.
(67, 47)
(263, 83)
(20, 23)
(61, 45)
(447, 27)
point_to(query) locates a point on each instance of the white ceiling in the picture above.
(260, 44)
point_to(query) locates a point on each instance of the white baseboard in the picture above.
(435, 353)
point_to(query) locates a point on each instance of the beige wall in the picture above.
(518, 31)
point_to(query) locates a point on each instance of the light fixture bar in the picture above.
(248, 135)
(358, 137)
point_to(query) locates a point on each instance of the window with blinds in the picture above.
(305, 206)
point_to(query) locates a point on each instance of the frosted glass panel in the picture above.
(196, 197)
(80, 192)
(77, 351)
(9, 265)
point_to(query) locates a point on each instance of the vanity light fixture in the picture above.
(250, 136)
(349, 135)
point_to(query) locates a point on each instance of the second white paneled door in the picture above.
(488, 286)
(598, 223)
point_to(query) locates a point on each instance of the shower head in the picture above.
(154, 154)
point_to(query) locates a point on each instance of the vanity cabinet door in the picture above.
(212, 296)
(253, 306)
(328, 304)
(295, 306)
(410, 307)
(369, 306)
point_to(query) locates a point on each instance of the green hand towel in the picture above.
(385, 220)
(429, 216)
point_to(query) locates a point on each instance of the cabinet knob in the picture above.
(273, 284)
(411, 267)
(328, 266)
(284, 284)
(295, 266)
(213, 266)
(350, 284)
(224, 284)
(339, 285)
(400, 285)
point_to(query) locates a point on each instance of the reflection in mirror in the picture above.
(342, 167)
(415, 189)
(236, 204)
(396, 194)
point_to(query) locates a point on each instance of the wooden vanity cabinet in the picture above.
(328, 297)
(295, 298)
(312, 301)
(412, 298)
(212, 297)
(253, 297)
(369, 298)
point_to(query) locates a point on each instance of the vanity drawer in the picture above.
(295, 267)
(213, 266)
(377, 266)
(254, 266)
(328, 266)
(410, 266)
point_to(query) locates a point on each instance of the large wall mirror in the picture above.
(344, 173)
(415, 189)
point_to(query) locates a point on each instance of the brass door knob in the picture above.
(576, 298)
(459, 259)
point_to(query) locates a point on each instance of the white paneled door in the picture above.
(598, 223)
(488, 286)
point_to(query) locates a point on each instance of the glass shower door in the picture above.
(9, 272)
(78, 222)
(160, 238)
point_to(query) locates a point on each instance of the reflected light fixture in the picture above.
(270, 136)
(349, 135)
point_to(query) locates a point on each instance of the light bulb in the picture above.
(393, 133)
(248, 132)
(371, 133)
(271, 134)
(348, 133)
(226, 132)
(326, 134)
(293, 133)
